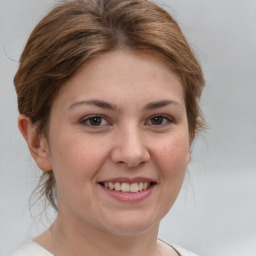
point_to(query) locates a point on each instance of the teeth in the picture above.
(126, 187)
(134, 187)
(111, 185)
(117, 186)
(141, 186)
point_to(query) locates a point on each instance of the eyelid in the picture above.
(167, 117)
(168, 120)
(87, 118)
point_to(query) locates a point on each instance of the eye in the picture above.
(159, 120)
(95, 121)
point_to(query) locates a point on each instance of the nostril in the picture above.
(130, 154)
(132, 164)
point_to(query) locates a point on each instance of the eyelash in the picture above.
(88, 121)
(167, 119)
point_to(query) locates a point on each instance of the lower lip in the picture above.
(129, 197)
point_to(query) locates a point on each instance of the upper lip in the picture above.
(128, 180)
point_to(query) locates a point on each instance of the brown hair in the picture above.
(78, 30)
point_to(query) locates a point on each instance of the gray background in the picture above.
(216, 210)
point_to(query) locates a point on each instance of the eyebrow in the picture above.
(105, 105)
(97, 103)
(161, 103)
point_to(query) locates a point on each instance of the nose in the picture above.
(130, 149)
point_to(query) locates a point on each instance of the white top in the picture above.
(33, 249)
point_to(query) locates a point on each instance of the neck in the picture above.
(71, 239)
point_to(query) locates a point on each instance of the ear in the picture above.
(37, 143)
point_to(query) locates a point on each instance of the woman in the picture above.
(108, 95)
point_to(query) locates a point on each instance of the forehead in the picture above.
(123, 74)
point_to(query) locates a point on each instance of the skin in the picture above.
(134, 137)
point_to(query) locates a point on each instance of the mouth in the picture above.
(126, 187)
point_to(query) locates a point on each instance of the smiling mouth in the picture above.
(128, 187)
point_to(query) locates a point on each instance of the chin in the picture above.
(132, 225)
(132, 230)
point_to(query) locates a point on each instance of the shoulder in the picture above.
(31, 249)
(168, 248)
(182, 251)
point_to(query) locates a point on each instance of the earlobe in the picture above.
(37, 143)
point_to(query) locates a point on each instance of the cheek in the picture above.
(171, 161)
(76, 159)
(75, 164)
(172, 156)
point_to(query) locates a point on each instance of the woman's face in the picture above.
(119, 143)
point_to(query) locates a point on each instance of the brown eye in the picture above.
(157, 120)
(95, 121)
